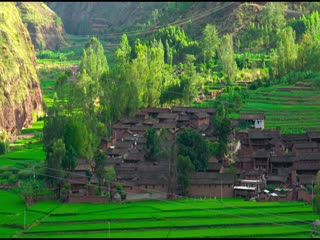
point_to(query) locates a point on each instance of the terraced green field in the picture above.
(14, 214)
(293, 109)
(183, 218)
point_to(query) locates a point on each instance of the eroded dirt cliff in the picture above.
(20, 93)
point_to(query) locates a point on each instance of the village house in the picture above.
(290, 139)
(258, 139)
(261, 160)
(306, 147)
(211, 184)
(200, 118)
(247, 188)
(281, 165)
(308, 163)
(265, 157)
(154, 112)
(314, 136)
(254, 120)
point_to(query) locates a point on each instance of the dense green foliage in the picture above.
(184, 168)
(221, 128)
(152, 144)
(192, 145)
(316, 199)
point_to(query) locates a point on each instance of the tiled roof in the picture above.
(135, 156)
(183, 117)
(306, 145)
(282, 159)
(214, 166)
(263, 134)
(294, 137)
(309, 156)
(212, 178)
(156, 110)
(261, 154)
(248, 116)
(313, 134)
(201, 115)
(82, 167)
(124, 144)
(307, 179)
(276, 178)
(193, 110)
(129, 121)
(167, 116)
(164, 125)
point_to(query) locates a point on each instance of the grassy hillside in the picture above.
(45, 27)
(20, 94)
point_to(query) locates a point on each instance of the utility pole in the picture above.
(25, 218)
(312, 194)
(109, 228)
(221, 188)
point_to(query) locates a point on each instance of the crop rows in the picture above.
(156, 219)
(296, 109)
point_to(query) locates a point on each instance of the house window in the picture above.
(163, 185)
(146, 186)
(153, 186)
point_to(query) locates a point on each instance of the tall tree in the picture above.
(184, 168)
(93, 60)
(209, 42)
(53, 161)
(152, 144)
(272, 15)
(191, 144)
(100, 159)
(286, 55)
(316, 199)
(226, 55)
(110, 176)
(222, 128)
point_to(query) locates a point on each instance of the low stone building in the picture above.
(211, 184)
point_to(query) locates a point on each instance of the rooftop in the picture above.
(249, 116)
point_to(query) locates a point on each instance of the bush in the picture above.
(24, 174)
(98, 191)
(4, 146)
(271, 188)
(10, 168)
(64, 192)
(12, 179)
(5, 174)
(121, 191)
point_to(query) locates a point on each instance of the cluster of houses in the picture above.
(265, 158)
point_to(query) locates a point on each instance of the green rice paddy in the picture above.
(183, 218)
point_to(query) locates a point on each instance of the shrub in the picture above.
(4, 146)
(12, 179)
(10, 168)
(64, 192)
(121, 191)
(24, 174)
(5, 174)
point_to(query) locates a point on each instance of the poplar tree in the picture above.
(226, 54)
(209, 42)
